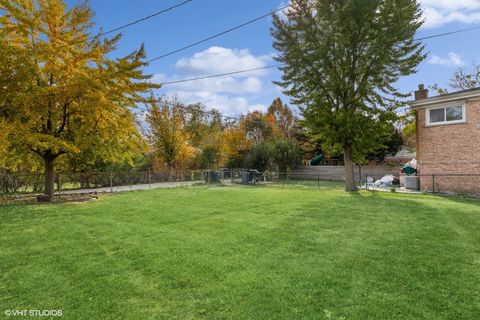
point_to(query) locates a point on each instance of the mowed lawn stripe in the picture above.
(244, 253)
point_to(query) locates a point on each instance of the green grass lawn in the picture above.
(244, 253)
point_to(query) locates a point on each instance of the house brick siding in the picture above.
(451, 149)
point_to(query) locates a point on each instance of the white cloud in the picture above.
(441, 12)
(452, 4)
(230, 94)
(453, 60)
(223, 60)
(225, 84)
(225, 103)
(159, 78)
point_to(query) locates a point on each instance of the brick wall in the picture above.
(452, 149)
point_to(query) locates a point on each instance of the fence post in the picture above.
(111, 182)
(359, 174)
(284, 177)
(231, 176)
(366, 181)
(433, 183)
(59, 184)
(149, 180)
(318, 180)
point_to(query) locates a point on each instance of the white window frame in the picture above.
(445, 106)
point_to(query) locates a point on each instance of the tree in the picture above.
(70, 91)
(210, 157)
(258, 126)
(196, 123)
(286, 155)
(463, 80)
(409, 130)
(235, 146)
(97, 156)
(341, 61)
(260, 156)
(284, 118)
(390, 148)
(168, 135)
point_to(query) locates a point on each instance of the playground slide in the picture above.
(317, 160)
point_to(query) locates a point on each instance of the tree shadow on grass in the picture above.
(459, 199)
(379, 256)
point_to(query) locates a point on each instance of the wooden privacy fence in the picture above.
(337, 173)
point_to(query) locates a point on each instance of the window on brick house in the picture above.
(446, 115)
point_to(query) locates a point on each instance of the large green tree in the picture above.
(341, 60)
(62, 93)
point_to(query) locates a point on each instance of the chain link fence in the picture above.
(87, 182)
(106, 182)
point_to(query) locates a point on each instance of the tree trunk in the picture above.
(49, 178)
(349, 169)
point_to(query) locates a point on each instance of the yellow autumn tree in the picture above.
(259, 126)
(168, 134)
(62, 92)
(235, 145)
(284, 118)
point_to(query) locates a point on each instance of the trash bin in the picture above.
(412, 182)
(211, 177)
(245, 176)
(253, 176)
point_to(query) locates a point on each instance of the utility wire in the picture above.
(191, 108)
(212, 112)
(282, 65)
(221, 74)
(131, 23)
(447, 33)
(217, 35)
(276, 66)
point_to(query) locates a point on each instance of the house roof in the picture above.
(454, 96)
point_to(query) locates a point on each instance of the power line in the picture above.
(282, 65)
(447, 33)
(217, 35)
(131, 23)
(212, 112)
(191, 108)
(278, 65)
(220, 74)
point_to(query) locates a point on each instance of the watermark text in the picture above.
(33, 313)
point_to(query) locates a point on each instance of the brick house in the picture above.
(448, 140)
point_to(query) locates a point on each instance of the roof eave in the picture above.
(446, 98)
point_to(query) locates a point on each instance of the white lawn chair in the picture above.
(371, 184)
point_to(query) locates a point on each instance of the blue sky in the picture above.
(251, 47)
